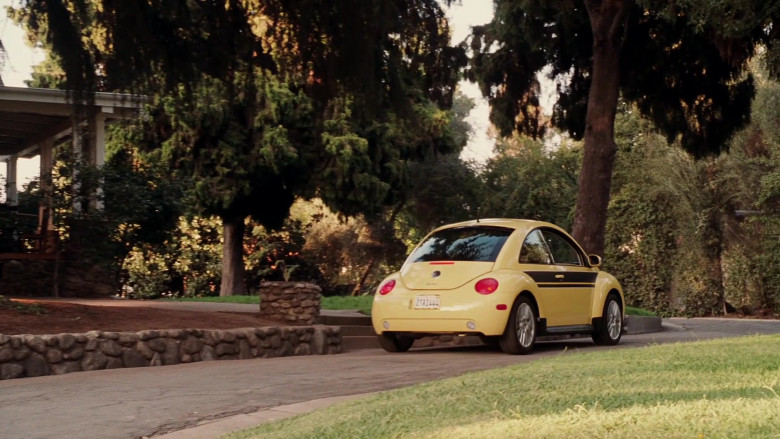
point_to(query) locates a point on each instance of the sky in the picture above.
(462, 15)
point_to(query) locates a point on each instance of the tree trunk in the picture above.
(362, 281)
(232, 257)
(608, 19)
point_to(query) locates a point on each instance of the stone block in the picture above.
(110, 348)
(74, 353)
(157, 344)
(208, 354)
(171, 353)
(192, 345)
(6, 354)
(21, 353)
(227, 336)
(50, 340)
(226, 349)
(92, 344)
(35, 342)
(65, 367)
(244, 350)
(148, 335)
(143, 349)
(35, 365)
(133, 358)
(302, 349)
(114, 363)
(128, 339)
(11, 370)
(53, 356)
(94, 360)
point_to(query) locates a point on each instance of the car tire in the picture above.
(611, 327)
(392, 342)
(520, 334)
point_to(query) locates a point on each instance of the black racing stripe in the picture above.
(568, 277)
(562, 285)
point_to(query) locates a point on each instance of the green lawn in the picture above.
(728, 388)
(360, 303)
(630, 310)
(220, 299)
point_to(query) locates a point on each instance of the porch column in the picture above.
(46, 165)
(97, 153)
(11, 193)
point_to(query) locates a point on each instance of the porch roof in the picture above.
(29, 116)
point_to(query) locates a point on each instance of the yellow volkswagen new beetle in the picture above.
(506, 280)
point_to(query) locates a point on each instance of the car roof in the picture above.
(512, 223)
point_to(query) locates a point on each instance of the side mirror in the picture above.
(594, 260)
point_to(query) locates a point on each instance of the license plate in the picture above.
(426, 302)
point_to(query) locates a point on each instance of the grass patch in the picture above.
(254, 300)
(360, 303)
(631, 311)
(724, 388)
(22, 307)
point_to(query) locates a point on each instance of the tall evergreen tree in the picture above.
(263, 101)
(684, 66)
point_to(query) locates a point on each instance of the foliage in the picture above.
(675, 237)
(140, 204)
(679, 390)
(751, 170)
(148, 276)
(641, 245)
(280, 255)
(528, 180)
(352, 253)
(699, 58)
(660, 233)
(188, 264)
(678, 65)
(259, 102)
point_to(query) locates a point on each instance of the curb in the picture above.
(215, 428)
(643, 325)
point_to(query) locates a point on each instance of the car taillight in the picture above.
(486, 286)
(387, 287)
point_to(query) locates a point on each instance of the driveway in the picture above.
(143, 402)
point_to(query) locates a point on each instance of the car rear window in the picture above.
(462, 244)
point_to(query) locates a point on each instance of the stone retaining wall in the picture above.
(297, 303)
(37, 355)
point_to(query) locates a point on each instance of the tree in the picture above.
(3, 59)
(685, 71)
(525, 180)
(263, 101)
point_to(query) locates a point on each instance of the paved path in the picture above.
(133, 403)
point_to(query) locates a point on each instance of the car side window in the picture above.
(534, 250)
(563, 252)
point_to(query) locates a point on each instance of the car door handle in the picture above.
(559, 276)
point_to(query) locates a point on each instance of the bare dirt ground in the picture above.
(41, 317)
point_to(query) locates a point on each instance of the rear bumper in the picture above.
(440, 325)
